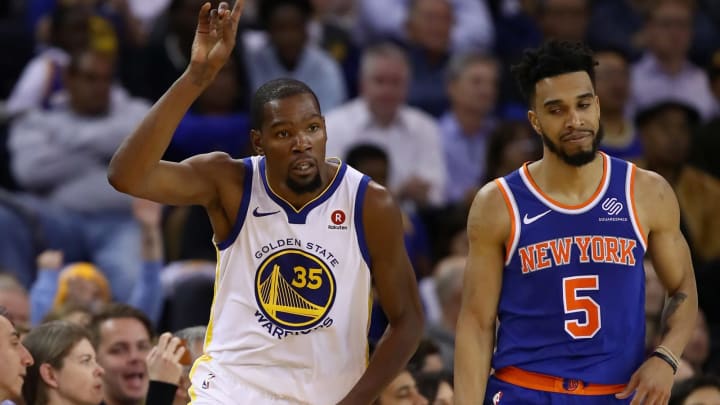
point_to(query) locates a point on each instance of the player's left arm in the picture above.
(659, 213)
(397, 290)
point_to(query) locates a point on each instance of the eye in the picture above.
(282, 134)
(584, 105)
(555, 111)
(314, 127)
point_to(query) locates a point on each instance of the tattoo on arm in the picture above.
(672, 306)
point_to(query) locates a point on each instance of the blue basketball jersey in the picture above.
(572, 302)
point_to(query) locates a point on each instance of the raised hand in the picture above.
(164, 360)
(214, 40)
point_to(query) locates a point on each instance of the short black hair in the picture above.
(275, 90)
(649, 113)
(553, 58)
(268, 8)
(683, 389)
(362, 152)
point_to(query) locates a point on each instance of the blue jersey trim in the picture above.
(359, 226)
(296, 216)
(242, 212)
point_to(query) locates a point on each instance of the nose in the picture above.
(302, 142)
(26, 357)
(99, 371)
(419, 399)
(574, 119)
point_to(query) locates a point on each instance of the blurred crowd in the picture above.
(415, 93)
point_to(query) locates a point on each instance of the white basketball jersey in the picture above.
(292, 293)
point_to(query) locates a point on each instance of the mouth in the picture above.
(134, 380)
(303, 166)
(576, 137)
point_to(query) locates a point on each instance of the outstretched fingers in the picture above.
(203, 26)
(232, 19)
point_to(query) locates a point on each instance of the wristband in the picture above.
(667, 359)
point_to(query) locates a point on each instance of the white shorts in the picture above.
(212, 386)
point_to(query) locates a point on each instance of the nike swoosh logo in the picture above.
(256, 213)
(528, 221)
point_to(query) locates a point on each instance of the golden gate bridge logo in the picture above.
(294, 289)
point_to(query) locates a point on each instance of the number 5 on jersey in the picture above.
(586, 305)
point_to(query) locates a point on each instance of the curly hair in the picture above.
(553, 58)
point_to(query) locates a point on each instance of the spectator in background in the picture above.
(511, 144)
(448, 280)
(15, 360)
(381, 20)
(664, 72)
(60, 157)
(380, 116)
(428, 25)
(402, 390)
(427, 358)
(612, 85)
(564, 20)
(665, 130)
(42, 78)
(472, 83)
(699, 390)
(289, 53)
(65, 371)
(82, 285)
(707, 143)
(15, 301)
(122, 337)
(697, 350)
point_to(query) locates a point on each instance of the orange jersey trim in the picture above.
(511, 212)
(548, 383)
(592, 198)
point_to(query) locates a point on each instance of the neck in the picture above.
(116, 401)
(54, 398)
(571, 185)
(670, 64)
(470, 121)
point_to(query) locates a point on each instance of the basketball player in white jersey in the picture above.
(299, 238)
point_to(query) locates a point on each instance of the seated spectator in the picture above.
(665, 72)
(665, 130)
(15, 360)
(699, 390)
(65, 371)
(82, 285)
(43, 76)
(122, 337)
(448, 280)
(77, 314)
(380, 116)
(511, 144)
(697, 350)
(612, 84)
(472, 83)
(401, 391)
(427, 358)
(60, 157)
(288, 53)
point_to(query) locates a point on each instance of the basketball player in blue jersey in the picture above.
(299, 239)
(556, 253)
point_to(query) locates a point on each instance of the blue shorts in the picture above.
(501, 393)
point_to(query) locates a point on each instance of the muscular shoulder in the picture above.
(489, 218)
(378, 200)
(656, 202)
(217, 165)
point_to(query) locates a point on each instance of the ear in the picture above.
(533, 118)
(48, 375)
(256, 138)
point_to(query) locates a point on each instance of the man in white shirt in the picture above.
(380, 116)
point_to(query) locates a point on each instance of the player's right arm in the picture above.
(488, 229)
(137, 168)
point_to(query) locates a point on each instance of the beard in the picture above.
(577, 159)
(307, 187)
